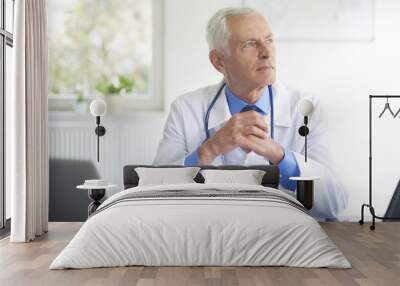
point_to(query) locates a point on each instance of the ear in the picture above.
(217, 61)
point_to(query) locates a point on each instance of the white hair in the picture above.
(217, 29)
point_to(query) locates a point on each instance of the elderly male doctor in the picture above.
(230, 123)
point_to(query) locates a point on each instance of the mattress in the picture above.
(201, 225)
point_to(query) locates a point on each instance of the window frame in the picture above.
(126, 104)
(6, 39)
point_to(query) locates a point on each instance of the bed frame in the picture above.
(270, 179)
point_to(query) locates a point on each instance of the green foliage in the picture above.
(105, 86)
(105, 48)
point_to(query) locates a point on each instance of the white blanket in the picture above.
(200, 230)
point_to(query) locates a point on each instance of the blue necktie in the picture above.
(251, 107)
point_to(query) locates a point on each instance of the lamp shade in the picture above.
(98, 107)
(306, 107)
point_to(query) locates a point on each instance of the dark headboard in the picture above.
(270, 179)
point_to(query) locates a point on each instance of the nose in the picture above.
(264, 50)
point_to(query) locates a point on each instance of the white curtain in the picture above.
(27, 122)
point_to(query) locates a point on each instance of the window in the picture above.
(6, 43)
(104, 48)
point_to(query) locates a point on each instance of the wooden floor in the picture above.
(374, 255)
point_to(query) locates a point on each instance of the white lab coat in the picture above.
(184, 132)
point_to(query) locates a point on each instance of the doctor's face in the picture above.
(250, 62)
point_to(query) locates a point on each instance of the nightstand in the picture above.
(305, 190)
(95, 193)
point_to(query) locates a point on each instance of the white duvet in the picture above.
(182, 231)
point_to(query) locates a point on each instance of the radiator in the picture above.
(128, 140)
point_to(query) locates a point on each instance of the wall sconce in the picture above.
(305, 184)
(306, 107)
(98, 107)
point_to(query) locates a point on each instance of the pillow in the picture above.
(163, 176)
(249, 177)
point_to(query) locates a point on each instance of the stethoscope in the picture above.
(206, 118)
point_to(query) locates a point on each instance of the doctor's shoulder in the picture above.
(197, 99)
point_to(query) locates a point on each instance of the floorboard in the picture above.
(374, 255)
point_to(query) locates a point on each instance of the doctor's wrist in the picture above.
(207, 153)
(279, 155)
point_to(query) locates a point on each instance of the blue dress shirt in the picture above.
(288, 166)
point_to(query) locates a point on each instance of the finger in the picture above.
(252, 118)
(245, 142)
(255, 131)
(248, 114)
(254, 144)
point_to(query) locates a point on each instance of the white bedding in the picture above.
(181, 231)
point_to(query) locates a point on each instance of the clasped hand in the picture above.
(246, 130)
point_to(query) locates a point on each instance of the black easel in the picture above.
(370, 206)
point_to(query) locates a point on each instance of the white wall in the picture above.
(186, 53)
(342, 74)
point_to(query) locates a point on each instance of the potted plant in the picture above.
(113, 88)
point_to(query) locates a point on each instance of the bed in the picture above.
(198, 224)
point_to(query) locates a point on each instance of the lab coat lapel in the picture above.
(220, 113)
(282, 106)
